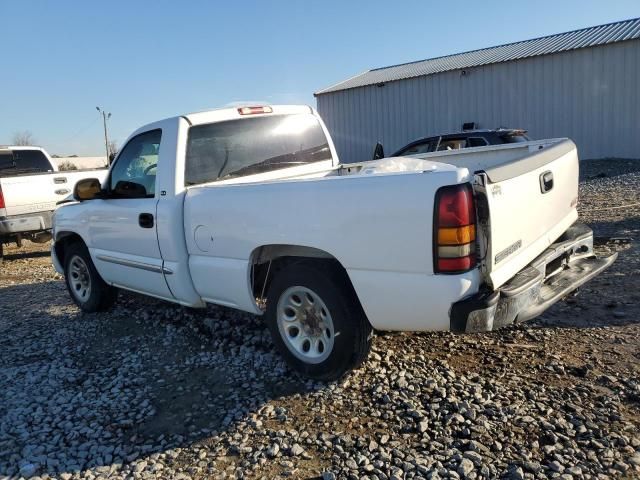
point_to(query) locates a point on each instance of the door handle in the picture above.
(546, 181)
(145, 220)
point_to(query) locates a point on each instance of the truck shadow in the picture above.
(22, 255)
(30, 301)
(144, 379)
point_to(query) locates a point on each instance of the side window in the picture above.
(134, 173)
(477, 142)
(424, 147)
(452, 144)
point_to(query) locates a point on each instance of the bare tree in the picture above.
(112, 147)
(23, 138)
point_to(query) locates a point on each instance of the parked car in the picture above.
(456, 141)
(30, 187)
(250, 208)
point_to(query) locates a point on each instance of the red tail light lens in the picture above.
(455, 265)
(1, 199)
(454, 230)
(455, 207)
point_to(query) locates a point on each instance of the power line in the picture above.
(81, 130)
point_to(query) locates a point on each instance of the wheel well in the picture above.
(63, 241)
(267, 260)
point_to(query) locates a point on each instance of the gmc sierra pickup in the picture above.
(250, 208)
(30, 187)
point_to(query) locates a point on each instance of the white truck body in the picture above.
(376, 219)
(27, 199)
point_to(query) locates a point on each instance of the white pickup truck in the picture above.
(250, 208)
(30, 187)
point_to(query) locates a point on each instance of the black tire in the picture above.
(352, 331)
(1, 252)
(99, 296)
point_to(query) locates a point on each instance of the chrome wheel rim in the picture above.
(79, 279)
(305, 324)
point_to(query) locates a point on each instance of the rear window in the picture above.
(31, 160)
(247, 146)
(6, 160)
(18, 162)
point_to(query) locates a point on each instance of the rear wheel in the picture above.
(86, 287)
(316, 320)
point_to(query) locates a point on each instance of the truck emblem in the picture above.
(507, 251)
(496, 190)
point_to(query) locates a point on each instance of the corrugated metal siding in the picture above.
(561, 42)
(590, 95)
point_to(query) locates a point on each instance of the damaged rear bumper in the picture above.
(560, 269)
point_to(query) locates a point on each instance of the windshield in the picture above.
(247, 146)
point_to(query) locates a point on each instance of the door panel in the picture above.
(125, 253)
(122, 227)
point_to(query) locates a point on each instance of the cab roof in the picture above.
(233, 113)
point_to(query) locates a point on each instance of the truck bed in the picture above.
(517, 219)
(360, 220)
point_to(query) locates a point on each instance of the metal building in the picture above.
(583, 84)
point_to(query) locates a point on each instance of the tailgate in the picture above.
(524, 206)
(34, 193)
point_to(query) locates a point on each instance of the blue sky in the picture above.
(144, 60)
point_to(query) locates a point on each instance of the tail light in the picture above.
(454, 230)
(2, 205)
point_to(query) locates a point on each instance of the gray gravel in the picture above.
(153, 390)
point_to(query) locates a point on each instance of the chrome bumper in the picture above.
(559, 270)
(30, 222)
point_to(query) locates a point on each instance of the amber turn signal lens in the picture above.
(457, 235)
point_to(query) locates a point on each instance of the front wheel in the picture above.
(84, 283)
(316, 320)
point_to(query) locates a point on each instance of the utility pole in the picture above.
(105, 116)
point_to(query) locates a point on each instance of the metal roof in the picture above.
(560, 42)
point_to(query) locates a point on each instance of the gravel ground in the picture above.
(153, 390)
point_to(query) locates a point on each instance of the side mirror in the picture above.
(87, 189)
(378, 152)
